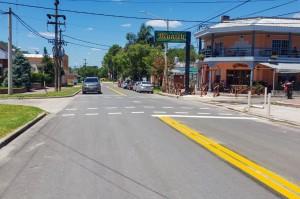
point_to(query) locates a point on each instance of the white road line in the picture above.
(118, 113)
(225, 114)
(67, 115)
(137, 112)
(111, 107)
(71, 109)
(92, 108)
(130, 107)
(90, 114)
(167, 107)
(137, 102)
(181, 112)
(186, 107)
(203, 108)
(207, 117)
(159, 112)
(203, 113)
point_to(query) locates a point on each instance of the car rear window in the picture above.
(146, 82)
(91, 80)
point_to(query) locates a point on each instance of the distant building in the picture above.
(245, 51)
(35, 61)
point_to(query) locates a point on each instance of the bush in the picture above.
(37, 77)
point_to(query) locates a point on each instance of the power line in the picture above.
(86, 46)
(171, 2)
(271, 8)
(287, 14)
(85, 41)
(219, 14)
(99, 14)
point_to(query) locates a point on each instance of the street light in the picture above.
(165, 79)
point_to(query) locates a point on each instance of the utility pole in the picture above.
(57, 50)
(10, 82)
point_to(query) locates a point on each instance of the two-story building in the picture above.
(249, 50)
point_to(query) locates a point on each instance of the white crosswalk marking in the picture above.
(203, 113)
(167, 107)
(71, 109)
(118, 113)
(92, 108)
(67, 115)
(91, 114)
(137, 112)
(181, 112)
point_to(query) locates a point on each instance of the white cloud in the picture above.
(31, 35)
(162, 23)
(90, 29)
(126, 25)
(297, 15)
(95, 49)
(48, 34)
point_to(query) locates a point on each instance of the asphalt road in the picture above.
(114, 146)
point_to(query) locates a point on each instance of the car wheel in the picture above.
(83, 92)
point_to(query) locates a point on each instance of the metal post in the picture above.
(265, 96)
(274, 72)
(249, 100)
(269, 104)
(187, 63)
(10, 82)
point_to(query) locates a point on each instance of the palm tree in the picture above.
(144, 36)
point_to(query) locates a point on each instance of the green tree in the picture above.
(21, 72)
(180, 53)
(108, 60)
(144, 36)
(88, 71)
(48, 67)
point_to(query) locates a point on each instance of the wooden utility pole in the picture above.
(10, 82)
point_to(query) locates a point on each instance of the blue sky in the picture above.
(102, 28)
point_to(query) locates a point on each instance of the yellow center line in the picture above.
(274, 181)
(115, 91)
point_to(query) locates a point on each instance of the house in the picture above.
(35, 61)
(4, 60)
(245, 51)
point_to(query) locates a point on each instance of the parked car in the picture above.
(125, 84)
(145, 86)
(130, 85)
(135, 85)
(91, 84)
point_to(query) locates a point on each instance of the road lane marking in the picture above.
(181, 112)
(91, 108)
(137, 112)
(71, 109)
(203, 113)
(119, 93)
(137, 102)
(272, 180)
(130, 107)
(159, 112)
(118, 113)
(113, 107)
(167, 107)
(186, 107)
(207, 117)
(67, 115)
(91, 114)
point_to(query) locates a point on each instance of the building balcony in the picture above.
(271, 53)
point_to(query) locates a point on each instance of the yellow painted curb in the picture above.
(115, 91)
(272, 180)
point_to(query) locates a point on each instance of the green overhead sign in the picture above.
(170, 36)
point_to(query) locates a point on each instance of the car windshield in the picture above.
(146, 82)
(91, 80)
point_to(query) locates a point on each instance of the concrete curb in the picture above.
(10, 137)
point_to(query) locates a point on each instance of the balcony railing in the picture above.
(258, 52)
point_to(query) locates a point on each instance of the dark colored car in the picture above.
(130, 85)
(91, 84)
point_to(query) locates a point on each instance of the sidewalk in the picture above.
(282, 110)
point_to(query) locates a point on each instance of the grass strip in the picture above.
(15, 116)
(65, 91)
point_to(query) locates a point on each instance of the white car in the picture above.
(145, 86)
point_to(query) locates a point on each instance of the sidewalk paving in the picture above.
(286, 111)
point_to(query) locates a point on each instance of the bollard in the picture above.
(269, 104)
(249, 99)
(265, 96)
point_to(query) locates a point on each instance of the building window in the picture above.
(280, 47)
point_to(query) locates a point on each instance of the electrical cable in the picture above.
(85, 41)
